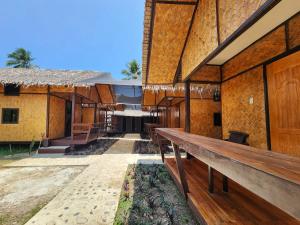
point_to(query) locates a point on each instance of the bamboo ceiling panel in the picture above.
(203, 37)
(171, 25)
(148, 98)
(294, 31)
(268, 47)
(105, 94)
(233, 13)
(207, 73)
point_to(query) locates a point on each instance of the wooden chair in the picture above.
(239, 138)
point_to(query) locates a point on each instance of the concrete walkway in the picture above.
(124, 145)
(92, 197)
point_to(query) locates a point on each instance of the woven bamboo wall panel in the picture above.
(148, 98)
(56, 118)
(237, 112)
(203, 37)
(175, 93)
(34, 89)
(32, 118)
(78, 113)
(202, 122)
(94, 95)
(268, 47)
(159, 96)
(105, 94)
(207, 73)
(233, 13)
(294, 31)
(61, 89)
(84, 91)
(174, 119)
(88, 115)
(171, 25)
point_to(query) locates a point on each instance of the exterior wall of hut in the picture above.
(243, 91)
(32, 104)
(202, 122)
(88, 115)
(56, 117)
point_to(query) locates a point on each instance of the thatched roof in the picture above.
(29, 77)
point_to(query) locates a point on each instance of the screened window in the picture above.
(10, 116)
(11, 90)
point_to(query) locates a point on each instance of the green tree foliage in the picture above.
(133, 71)
(20, 58)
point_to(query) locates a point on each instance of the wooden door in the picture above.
(284, 104)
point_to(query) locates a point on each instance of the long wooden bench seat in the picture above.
(271, 176)
(239, 206)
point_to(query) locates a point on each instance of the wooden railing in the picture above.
(85, 132)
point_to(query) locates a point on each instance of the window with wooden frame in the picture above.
(11, 90)
(10, 116)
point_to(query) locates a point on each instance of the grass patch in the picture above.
(150, 197)
(14, 149)
(32, 212)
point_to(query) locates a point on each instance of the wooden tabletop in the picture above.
(280, 165)
(152, 125)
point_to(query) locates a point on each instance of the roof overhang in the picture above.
(165, 31)
(262, 22)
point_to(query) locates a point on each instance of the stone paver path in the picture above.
(92, 197)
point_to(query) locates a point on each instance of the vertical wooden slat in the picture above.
(181, 171)
(48, 112)
(73, 114)
(95, 113)
(187, 107)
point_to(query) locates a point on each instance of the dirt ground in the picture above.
(25, 190)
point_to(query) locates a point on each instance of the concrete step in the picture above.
(53, 150)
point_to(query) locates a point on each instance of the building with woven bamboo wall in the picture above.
(222, 69)
(37, 104)
(229, 44)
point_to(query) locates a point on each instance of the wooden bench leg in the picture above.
(210, 179)
(189, 156)
(162, 151)
(181, 171)
(225, 183)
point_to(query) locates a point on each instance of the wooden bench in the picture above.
(264, 186)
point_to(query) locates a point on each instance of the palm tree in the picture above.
(20, 58)
(133, 71)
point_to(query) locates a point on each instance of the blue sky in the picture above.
(74, 34)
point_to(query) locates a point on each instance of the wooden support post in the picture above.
(187, 101)
(181, 171)
(187, 107)
(210, 179)
(225, 183)
(73, 117)
(167, 117)
(106, 119)
(156, 120)
(95, 113)
(48, 112)
(161, 147)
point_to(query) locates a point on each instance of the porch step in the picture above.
(53, 149)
